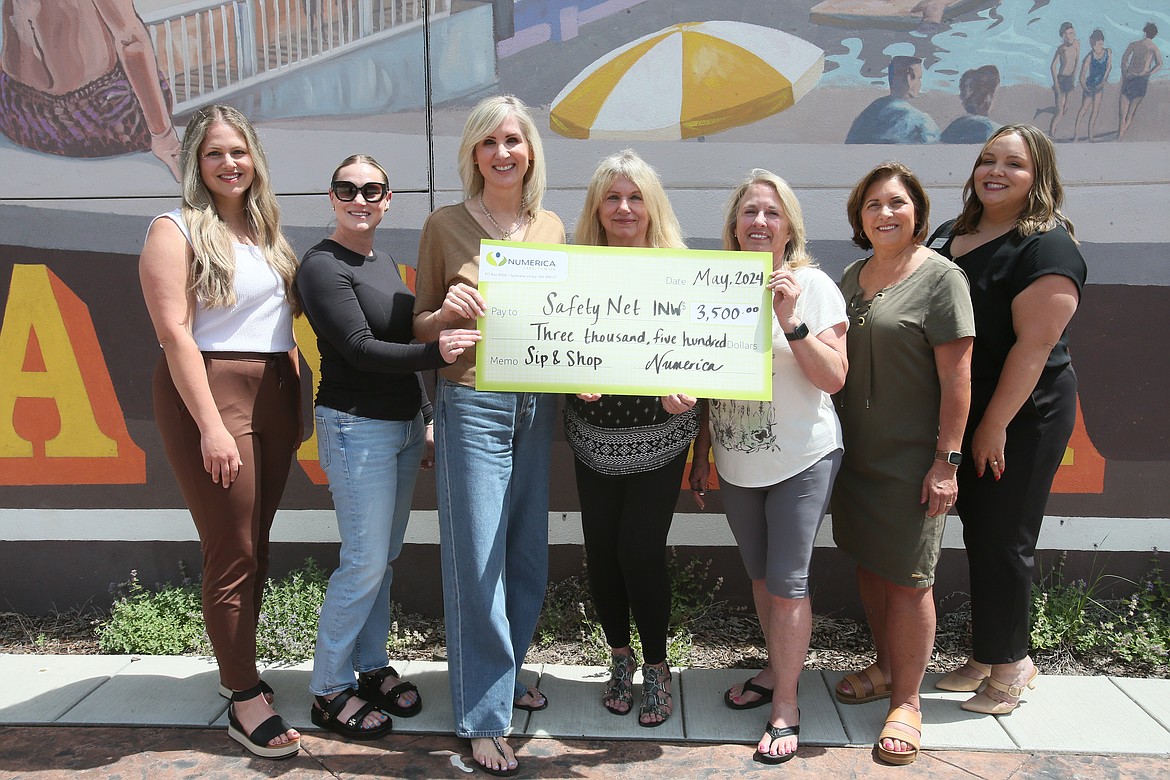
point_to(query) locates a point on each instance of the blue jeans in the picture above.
(491, 461)
(372, 466)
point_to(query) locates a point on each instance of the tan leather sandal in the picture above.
(961, 683)
(986, 705)
(876, 684)
(907, 717)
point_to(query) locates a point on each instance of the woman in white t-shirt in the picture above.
(777, 459)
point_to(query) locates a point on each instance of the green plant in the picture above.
(168, 619)
(568, 612)
(287, 629)
(1063, 613)
(1074, 618)
(164, 621)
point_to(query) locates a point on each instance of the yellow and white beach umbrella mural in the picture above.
(691, 79)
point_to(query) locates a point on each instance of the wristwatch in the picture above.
(800, 332)
(950, 456)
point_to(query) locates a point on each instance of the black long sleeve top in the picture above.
(362, 313)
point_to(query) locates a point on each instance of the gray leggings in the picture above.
(775, 526)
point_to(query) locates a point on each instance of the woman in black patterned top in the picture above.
(630, 452)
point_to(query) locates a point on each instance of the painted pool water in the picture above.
(1018, 36)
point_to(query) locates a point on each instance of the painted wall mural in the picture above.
(91, 91)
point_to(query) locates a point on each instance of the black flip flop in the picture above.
(531, 707)
(750, 686)
(775, 732)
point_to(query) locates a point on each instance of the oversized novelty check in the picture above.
(582, 319)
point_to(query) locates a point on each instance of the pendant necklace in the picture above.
(504, 234)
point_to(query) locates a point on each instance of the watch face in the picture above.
(955, 458)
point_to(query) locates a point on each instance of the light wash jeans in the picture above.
(372, 466)
(491, 461)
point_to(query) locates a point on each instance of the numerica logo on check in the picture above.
(521, 264)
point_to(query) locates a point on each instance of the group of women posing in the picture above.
(893, 423)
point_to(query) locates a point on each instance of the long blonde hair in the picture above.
(1041, 212)
(483, 120)
(662, 232)
(213, 271)
(795, 251)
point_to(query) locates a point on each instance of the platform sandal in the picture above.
(656, 700)
(265, 689)
(257, 741)
(907, 717)
(621, 684)
(370, 689)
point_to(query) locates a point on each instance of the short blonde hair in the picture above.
(483, 120)
(795, 251)
(663, 230)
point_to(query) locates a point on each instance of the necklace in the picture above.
(520, 222)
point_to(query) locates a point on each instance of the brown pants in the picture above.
(257, 396)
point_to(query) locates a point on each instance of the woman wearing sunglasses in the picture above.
(373, 428)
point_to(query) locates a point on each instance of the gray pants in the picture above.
(775, 526)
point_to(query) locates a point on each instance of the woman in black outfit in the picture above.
(371, 437)
(1026, 276)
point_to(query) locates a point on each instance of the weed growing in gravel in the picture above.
(1074, 618)
(568, 612)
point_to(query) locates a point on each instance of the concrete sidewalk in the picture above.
(124, 700)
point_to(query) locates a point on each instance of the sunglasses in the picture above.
(372, 191)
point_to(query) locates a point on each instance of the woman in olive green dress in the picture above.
(902, 412)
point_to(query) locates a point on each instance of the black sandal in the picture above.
(533, 692)
(257, 741)
(655, 697)
(327, 713)
(775, 733)
(749, 686)
(370, 689)
(265, 689)
(621, 683)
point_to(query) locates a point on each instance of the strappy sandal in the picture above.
(749, 686)
(985, 705)
(961, 683)
(775, 733)
(499, 772)
(907, 717)
(370, 689)
(265, 689)
(327, 715)
(878, 687)
(621, 684)
(257, 741)
(656, 700)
